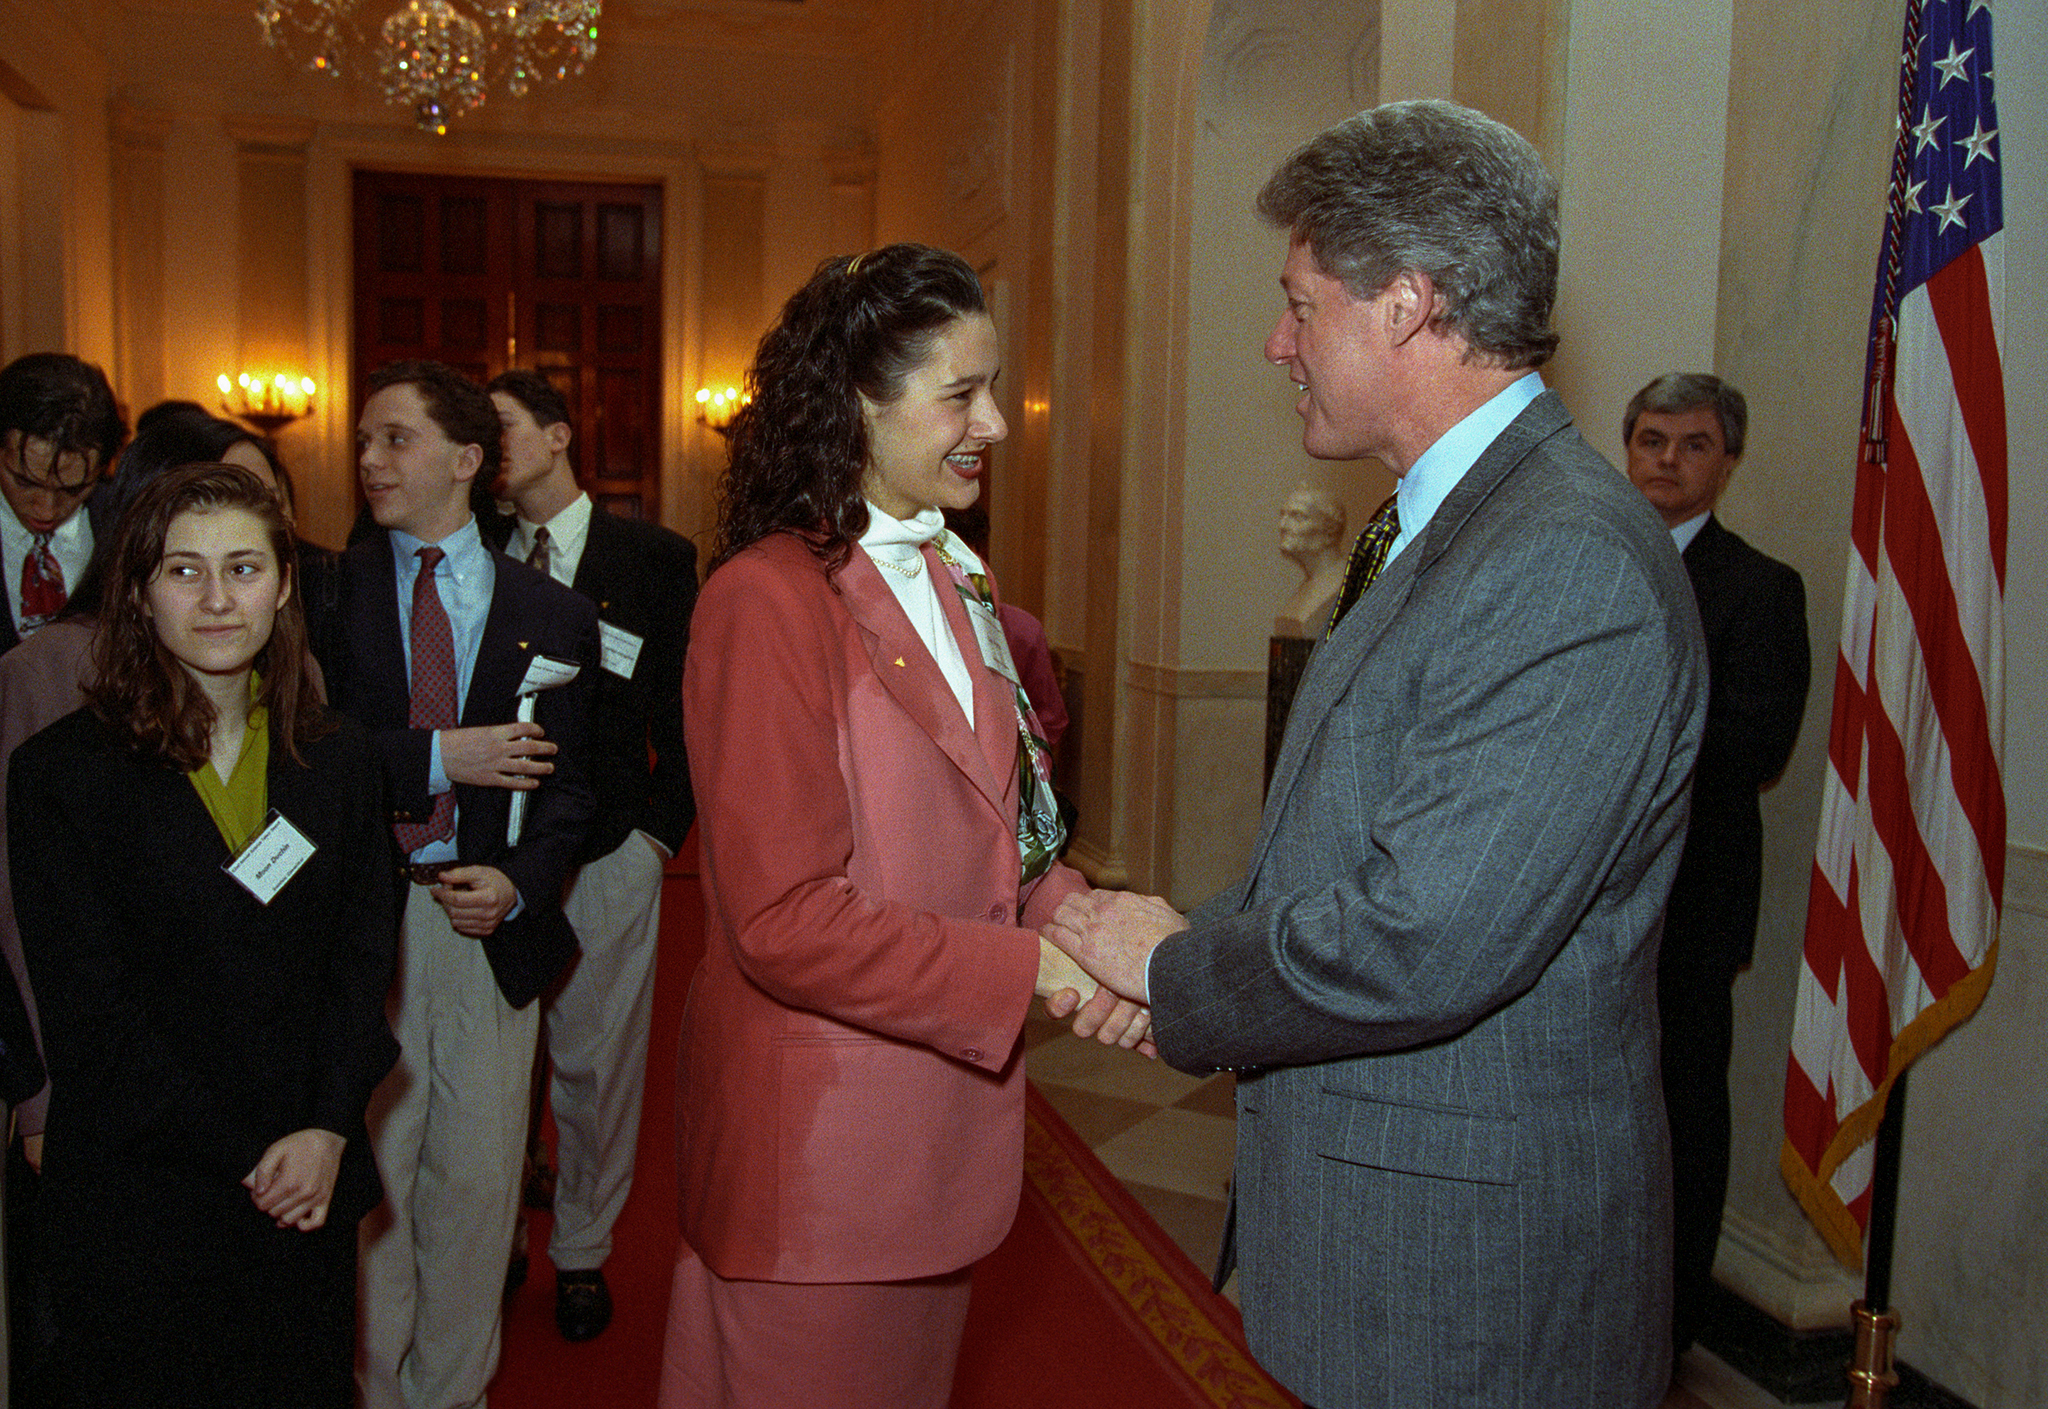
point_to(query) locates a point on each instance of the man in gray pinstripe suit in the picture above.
(1437, 980)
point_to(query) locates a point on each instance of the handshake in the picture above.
(1103, 940)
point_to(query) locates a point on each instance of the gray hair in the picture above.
(1678, 392)
(1444, 191)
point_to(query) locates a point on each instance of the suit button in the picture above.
(997, 914)
(972, 1054)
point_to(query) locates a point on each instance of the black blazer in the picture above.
(643, 579)
(1753, 610)
(530, 615)
(188, 1026)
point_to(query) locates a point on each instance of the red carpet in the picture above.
(1087, 1297)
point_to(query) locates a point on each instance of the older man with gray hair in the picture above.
(1436, 980)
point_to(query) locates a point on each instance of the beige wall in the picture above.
(56, 238)
(185, 197)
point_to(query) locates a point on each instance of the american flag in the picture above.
(1909, 866)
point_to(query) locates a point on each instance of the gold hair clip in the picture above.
(854, 268)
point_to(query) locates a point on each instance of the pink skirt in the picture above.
(797, 1345)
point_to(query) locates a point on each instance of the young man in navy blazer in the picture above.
(482, 933)
(643, 580)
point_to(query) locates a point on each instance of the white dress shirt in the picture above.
(71, 545)
(568, 531)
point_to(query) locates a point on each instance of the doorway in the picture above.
(563, 277)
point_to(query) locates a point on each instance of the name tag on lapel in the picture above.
(272, 857)
(995, 647)
(621, 649)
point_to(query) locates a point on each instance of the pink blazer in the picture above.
(851, 1083)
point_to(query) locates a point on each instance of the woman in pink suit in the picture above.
(879, 840)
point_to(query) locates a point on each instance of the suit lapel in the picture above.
(1338, 660)
(995, 707)
(595, 569)
(379, 674)
(501, 655)
(913, 679)
(1708, 549)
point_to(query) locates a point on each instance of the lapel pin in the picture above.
(522, 645)
(899, 660)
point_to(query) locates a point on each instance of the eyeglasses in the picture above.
(12, 465)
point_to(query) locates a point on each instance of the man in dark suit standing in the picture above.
(442, 637)
(1437, 978)
(1684, 434)
(643, 580)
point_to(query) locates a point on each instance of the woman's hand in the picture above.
(294, 1181)
(1104, 1017)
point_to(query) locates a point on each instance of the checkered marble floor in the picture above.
(1168, 1138)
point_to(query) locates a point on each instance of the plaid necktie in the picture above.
(1368, 556)
(543, 551)
(42, 584)
(433, 692)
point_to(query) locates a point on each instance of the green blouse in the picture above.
(239, 805)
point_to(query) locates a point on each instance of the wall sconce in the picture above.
(717, 408)
(270, 403)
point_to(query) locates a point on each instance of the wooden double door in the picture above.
(562, 277)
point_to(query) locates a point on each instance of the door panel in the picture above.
(562, 277)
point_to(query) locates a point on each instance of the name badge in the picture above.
(621, 649)
(545, 673)
(272, 857)
(995, 647)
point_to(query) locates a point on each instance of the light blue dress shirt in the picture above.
(1430, 479)
(465, 579)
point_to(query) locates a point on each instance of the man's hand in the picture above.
(1105, 1017)
(497, 755)
(476, 898)
(1112, 933)
(294, 1181)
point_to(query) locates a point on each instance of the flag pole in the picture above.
(1909, 862)
(1872, 1372)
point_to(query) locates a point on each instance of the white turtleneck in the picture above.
(894, 546)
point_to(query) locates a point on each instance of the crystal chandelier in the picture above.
(438, 57)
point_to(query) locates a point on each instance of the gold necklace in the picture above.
(906, 567)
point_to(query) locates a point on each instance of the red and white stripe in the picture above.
(1909, 865)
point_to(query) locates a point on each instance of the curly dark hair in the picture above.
(141, 688)
(799, 447)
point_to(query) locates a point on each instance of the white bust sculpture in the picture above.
(1312, 538)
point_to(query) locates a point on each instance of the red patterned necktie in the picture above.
(1368, 556)
(42, 585)
(433, 692)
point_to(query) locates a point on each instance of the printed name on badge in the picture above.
(272, 857)
(621, 649)
(995, 647)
